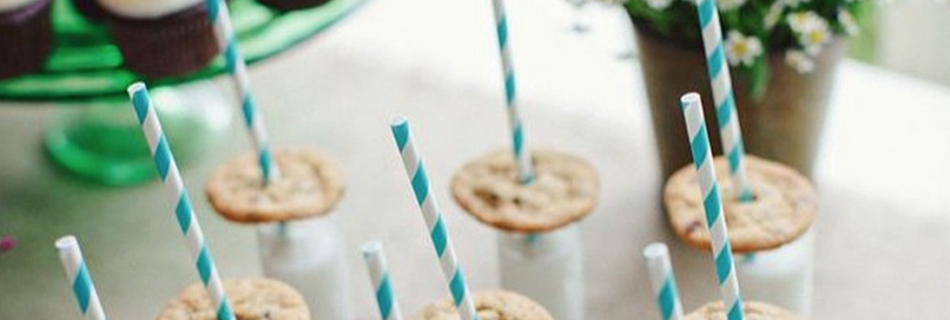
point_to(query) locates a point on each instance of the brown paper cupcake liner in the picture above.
(26, 39)
(291, 5)
(170, 46)
(91, 9)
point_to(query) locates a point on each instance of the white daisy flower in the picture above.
(793, 3)
(800, 61)
(847, 22)
(659, 4)
(742, 50)
(801, 22)
(815, 35)
(729, 5)
(774, 14)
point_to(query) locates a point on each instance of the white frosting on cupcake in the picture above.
(10, 5)
(145, 9)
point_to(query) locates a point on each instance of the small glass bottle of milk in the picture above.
(540, 249)
(782, 276)
(308, 254)
(548, 267)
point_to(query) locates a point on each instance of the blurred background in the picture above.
(904, 31)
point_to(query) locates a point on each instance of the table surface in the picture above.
(881, 234)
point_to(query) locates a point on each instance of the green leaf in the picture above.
(758, 77)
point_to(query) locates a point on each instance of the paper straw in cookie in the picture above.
(657, 256)
(721, 82)
(79, 280)
(178, 195)
(519, 146)
(712, 203)
(253, 120)
(433, 218)
(382, 285)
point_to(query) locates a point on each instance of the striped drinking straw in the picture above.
(433, 217)
(178, 195)
(380, 276)
(522, 156)
(663, 281)
(78, 276)
(253, 120)
(712, 203)
(725, 102)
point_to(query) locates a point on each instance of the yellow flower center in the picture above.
(816, 36)
(741, 48)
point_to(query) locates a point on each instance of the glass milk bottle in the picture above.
(547, 267)
(774, 262)
(539, 243)
(782, 276)
(309, 255)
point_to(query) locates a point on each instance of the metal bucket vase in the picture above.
(784, 125)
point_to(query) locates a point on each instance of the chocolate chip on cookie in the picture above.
(564, 190)
(309, 185)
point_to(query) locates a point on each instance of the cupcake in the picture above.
(91, 9)
(162, 38)
(291, 5)
(26, 36)
(251, 298)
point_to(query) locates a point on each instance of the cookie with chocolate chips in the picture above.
(251, 299)
(784, 206)
(309, 185)
(751, 310)
(490, 305)
(564, 190)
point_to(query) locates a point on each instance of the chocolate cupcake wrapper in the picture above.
(26, 36)
(171, 46)
(291, 5)
(91, 9)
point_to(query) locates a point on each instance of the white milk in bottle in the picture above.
(308, 255)
(782, 276)
(547, 267)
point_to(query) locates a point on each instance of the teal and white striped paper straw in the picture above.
(382, 285)
(663, 281)
(178, 195)
(712, 203)
(253, 120)
(721, 82)
(78, 276)
(438, 232)
(519, 145)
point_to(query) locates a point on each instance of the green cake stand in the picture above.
(95, 135)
